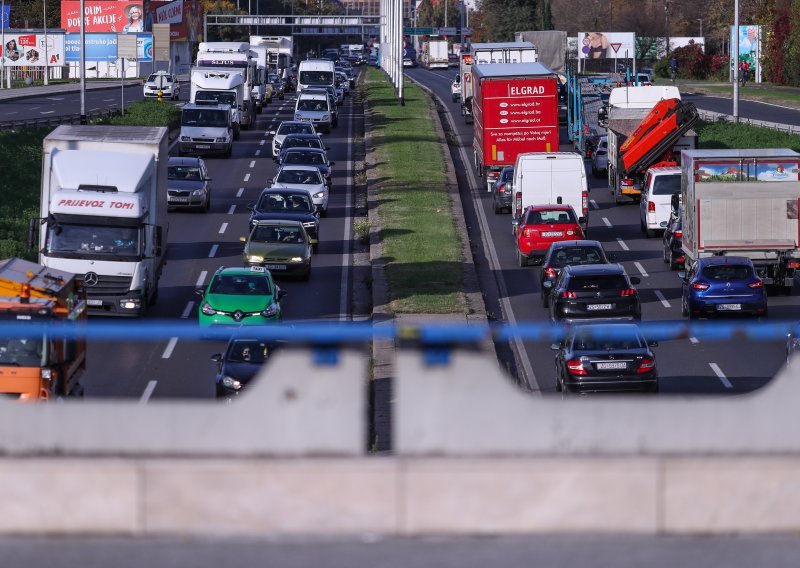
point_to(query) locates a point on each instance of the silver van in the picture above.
(206, 129)
(316, 109)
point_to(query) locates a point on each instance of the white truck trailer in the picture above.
(104, 212)
(234, 57)
(744, 203)
(434, 54)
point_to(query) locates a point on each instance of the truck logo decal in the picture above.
(96, 203)
(503, 105)
(91, 279)
(515, 90)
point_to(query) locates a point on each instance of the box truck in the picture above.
(434, 54)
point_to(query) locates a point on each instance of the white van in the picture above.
(544, 178)
(660, 184)
(314, 108)
(316, 73)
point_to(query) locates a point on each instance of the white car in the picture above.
(600, 157)
(162, 81)
(655, 207)
(289, 127)
(307, 178)
(455, 88)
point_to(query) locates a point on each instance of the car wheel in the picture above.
(315, 248)
(229, 152)
(521, 260)
(642, 228)
(665, 256)
(207, 204)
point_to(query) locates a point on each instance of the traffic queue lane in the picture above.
(688, 365)
(200, 243)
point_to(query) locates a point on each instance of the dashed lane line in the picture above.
(641, 269)
(594, 204)
(720, 375)
(213, 252)
(608, 223)
(232, 209)
(662, 299)
(246, 177)
(223, 228)
(187, 310)
(148, 391)
(622, 244)
(258, 152)
(201, 279)
(170, 348)
(240, 192)
(252, 165)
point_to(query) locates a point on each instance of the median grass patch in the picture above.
(147, 112)
(731, 135)
(420, 246)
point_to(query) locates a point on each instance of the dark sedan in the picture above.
(187, 184)
(242, 360)
(605, 358)
(502, 195)
(595, 291)
(289, 204)
(301, 141)
(568, 253)
(316, 157)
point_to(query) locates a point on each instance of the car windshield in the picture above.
(667, 185)
(241, 285)
(597, 282)
(589, 340)
(217, 97)
(302, 143)
(301, 157)
(279, 202)
(212, 118)
(248, 351)
(186, 173)
(299, 177)
(725, 273)
(571, 256)
(316, 77)
(551, 218)
(314, 105)
(277, 234)
(294, 128)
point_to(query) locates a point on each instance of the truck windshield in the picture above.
(22, 352)
(95, 240)
(218, 97)
(214, 118)
(316, 78)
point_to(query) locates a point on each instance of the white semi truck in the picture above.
(235, 57)
(219, 87)
(279, 51)
(104, 212)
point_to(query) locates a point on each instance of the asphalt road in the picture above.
(59, 104)
(685, 365)
(200, 243)
(767, 112)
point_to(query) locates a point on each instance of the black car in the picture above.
(605, 358)
(288, 204)
(309, 157)
(301, 141)
(601, 291)
(502, 194)
(243, 358)
(673, 252)
(568, 253)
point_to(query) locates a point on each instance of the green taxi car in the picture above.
(280, 246)
(240, 296)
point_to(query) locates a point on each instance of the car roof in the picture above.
(299, 167)
(239, 270)
(283, 191)
(183, 161)
(576, 243)
(290, 122)
(595, 269)
(723, 260)
(303, 135)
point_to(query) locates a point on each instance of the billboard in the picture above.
(169, 13)
(103, 16)
(606, 45)
(103, 47)
(186, 22)
(28, 50)
(749, 49)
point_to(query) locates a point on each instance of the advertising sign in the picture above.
(749, 50)
(185, 25)
(169, 13)
(27, 50)
(103, 47)
(144, 47)
(606, 45)
(103, 16)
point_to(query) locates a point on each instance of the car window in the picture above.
(667, 185)
(571, 256)
(277, 234)
(551, 218)
(240, 285)
(187, 173)
(299, 177)
(248, 351)
(726, 273)
(299, 203)
(590, 341)
(597, 282)
(313, 105)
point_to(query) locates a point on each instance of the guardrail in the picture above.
(712, 116)
(48, 121)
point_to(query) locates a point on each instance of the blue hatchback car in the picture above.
(722, 285)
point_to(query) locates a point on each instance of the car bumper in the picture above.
(283, 268)
(711, 307)
(226, 319)
(204, 147)
(647, 382)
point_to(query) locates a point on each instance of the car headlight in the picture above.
(270, 310)
(296, 259)
(319, 194)
(326, 117)
(277, 144)
(310, 225)
(231, 383)
(255, 258)
(198, 192)
(221, 139)
(208, 310)
(185, 139)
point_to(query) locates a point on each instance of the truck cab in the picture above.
(233, 58)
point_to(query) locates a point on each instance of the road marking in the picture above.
(55, 98)
(641, 269)
(247, 177)
(694, 340)
(232, 209)
(170, 347)
(262, 142)
(252, 165)
(187, 310)
(607, 222)
(46, 111)
(223, 228)
(663, 300)
(148, 391)
(266, 133)
(720, 375)
(594, 204)
(258, 152)
(38, 107)
(213, 252)
(109, 100)
(201, 279)
(622, 244)
(240, 192)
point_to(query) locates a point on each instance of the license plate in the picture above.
(729, 307)
(611, 366)
(552, 234)
(275, 267)
(203, 147)
(599, 306)
(94, 302)
(179, 199)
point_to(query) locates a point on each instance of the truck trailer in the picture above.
(234, 57)
(434, 54)
(103, 214)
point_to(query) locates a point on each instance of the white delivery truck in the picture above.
(234, 57)
(104, 212)
(206, 129)
(745, 203)
(545, 178)
(434, 54)
(218, 87)
(316, 73)
(262, 90)
(279, 51)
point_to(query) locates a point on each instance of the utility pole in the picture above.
(666, 20)
(83, 62)
(46, 62)
(701, 26)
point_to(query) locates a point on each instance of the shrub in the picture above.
(148, 112)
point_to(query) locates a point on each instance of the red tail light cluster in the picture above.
(568, 294)
(699, 286)
(585, 203)
(628, 292)
(646, 365)
(549, 272)
(501, 188)
(651, 207)
(528, 232)
(757, 284)
(576, 367)
(678, 234)
(794, 264)
(680, 259)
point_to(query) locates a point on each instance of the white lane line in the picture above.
(720, 375)
(201, 279)
(266, 133)
(252, 165)
(641, 269)
(240, 192)
(148, 392)
(247, 176)
(694, 340)
(262, 142)
(173, 341)
(607, 222)
(258, 152)
(594, 204)
(662, 299)
(109, 100)
(187, 310)
(213, 251)
(344, 304)
(46, 111)
(232, 209)
(37, 107)
(223, 228)
(622, 244)
(55, 98)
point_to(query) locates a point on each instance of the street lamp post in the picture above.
(666, 22)
(46, 68)
(701, 26)
(735, 56)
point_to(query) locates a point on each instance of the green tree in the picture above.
(28, 14)
(499, 19)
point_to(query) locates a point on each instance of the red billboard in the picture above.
(190, 14)
(102, 16)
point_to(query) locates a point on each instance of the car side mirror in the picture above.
(555, 346)
(200, 292)
(635, 280)
(217, 357)
(242, 239)
(682, 274)
(269, 183)
(582, 220)
(251, 206)
(272, 133)
(331, 163)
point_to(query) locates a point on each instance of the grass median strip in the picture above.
(421, 248)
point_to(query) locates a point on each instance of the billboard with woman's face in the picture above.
(606, 45)
(28, 50)
(749, 50)
(103, 16)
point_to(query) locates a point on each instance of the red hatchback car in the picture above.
(542, 225)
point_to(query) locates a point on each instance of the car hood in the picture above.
(310, 188)
(302, 216)
(276, 250)
(184, 185)
(230, 303)
(242, 372)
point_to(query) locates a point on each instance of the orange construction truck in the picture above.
(44, 365)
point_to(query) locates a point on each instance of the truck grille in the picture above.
(106, 284)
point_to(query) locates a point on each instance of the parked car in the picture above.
(542, 225)
(658, 188)
(502, 195)
(568, 253)
(600, 157)
(455, 89)
(162, 81)
(291, 204)
(671, 241)
(286, 128)
(602, 291)
(605, 358)
(281, 246)
(187, 184)
(240, 296)
(722, 285)
(306, 178)
(239, 364)
(316, 157)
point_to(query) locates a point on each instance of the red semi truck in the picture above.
(516, 111)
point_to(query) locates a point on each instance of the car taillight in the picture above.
(576, 367)
(628, 292)
(756, 284)
(501, 188)
(568, 294)
(699, 286)
(626, 182)
(794, 264)
(518, 204)
(651, 207)
(678, 234)
(646, 365)
(680, 259)
(585, 202)
(527, 232)
(549, 272)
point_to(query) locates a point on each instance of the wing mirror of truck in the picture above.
(514, 225)
(635, 280)
(682, 274)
